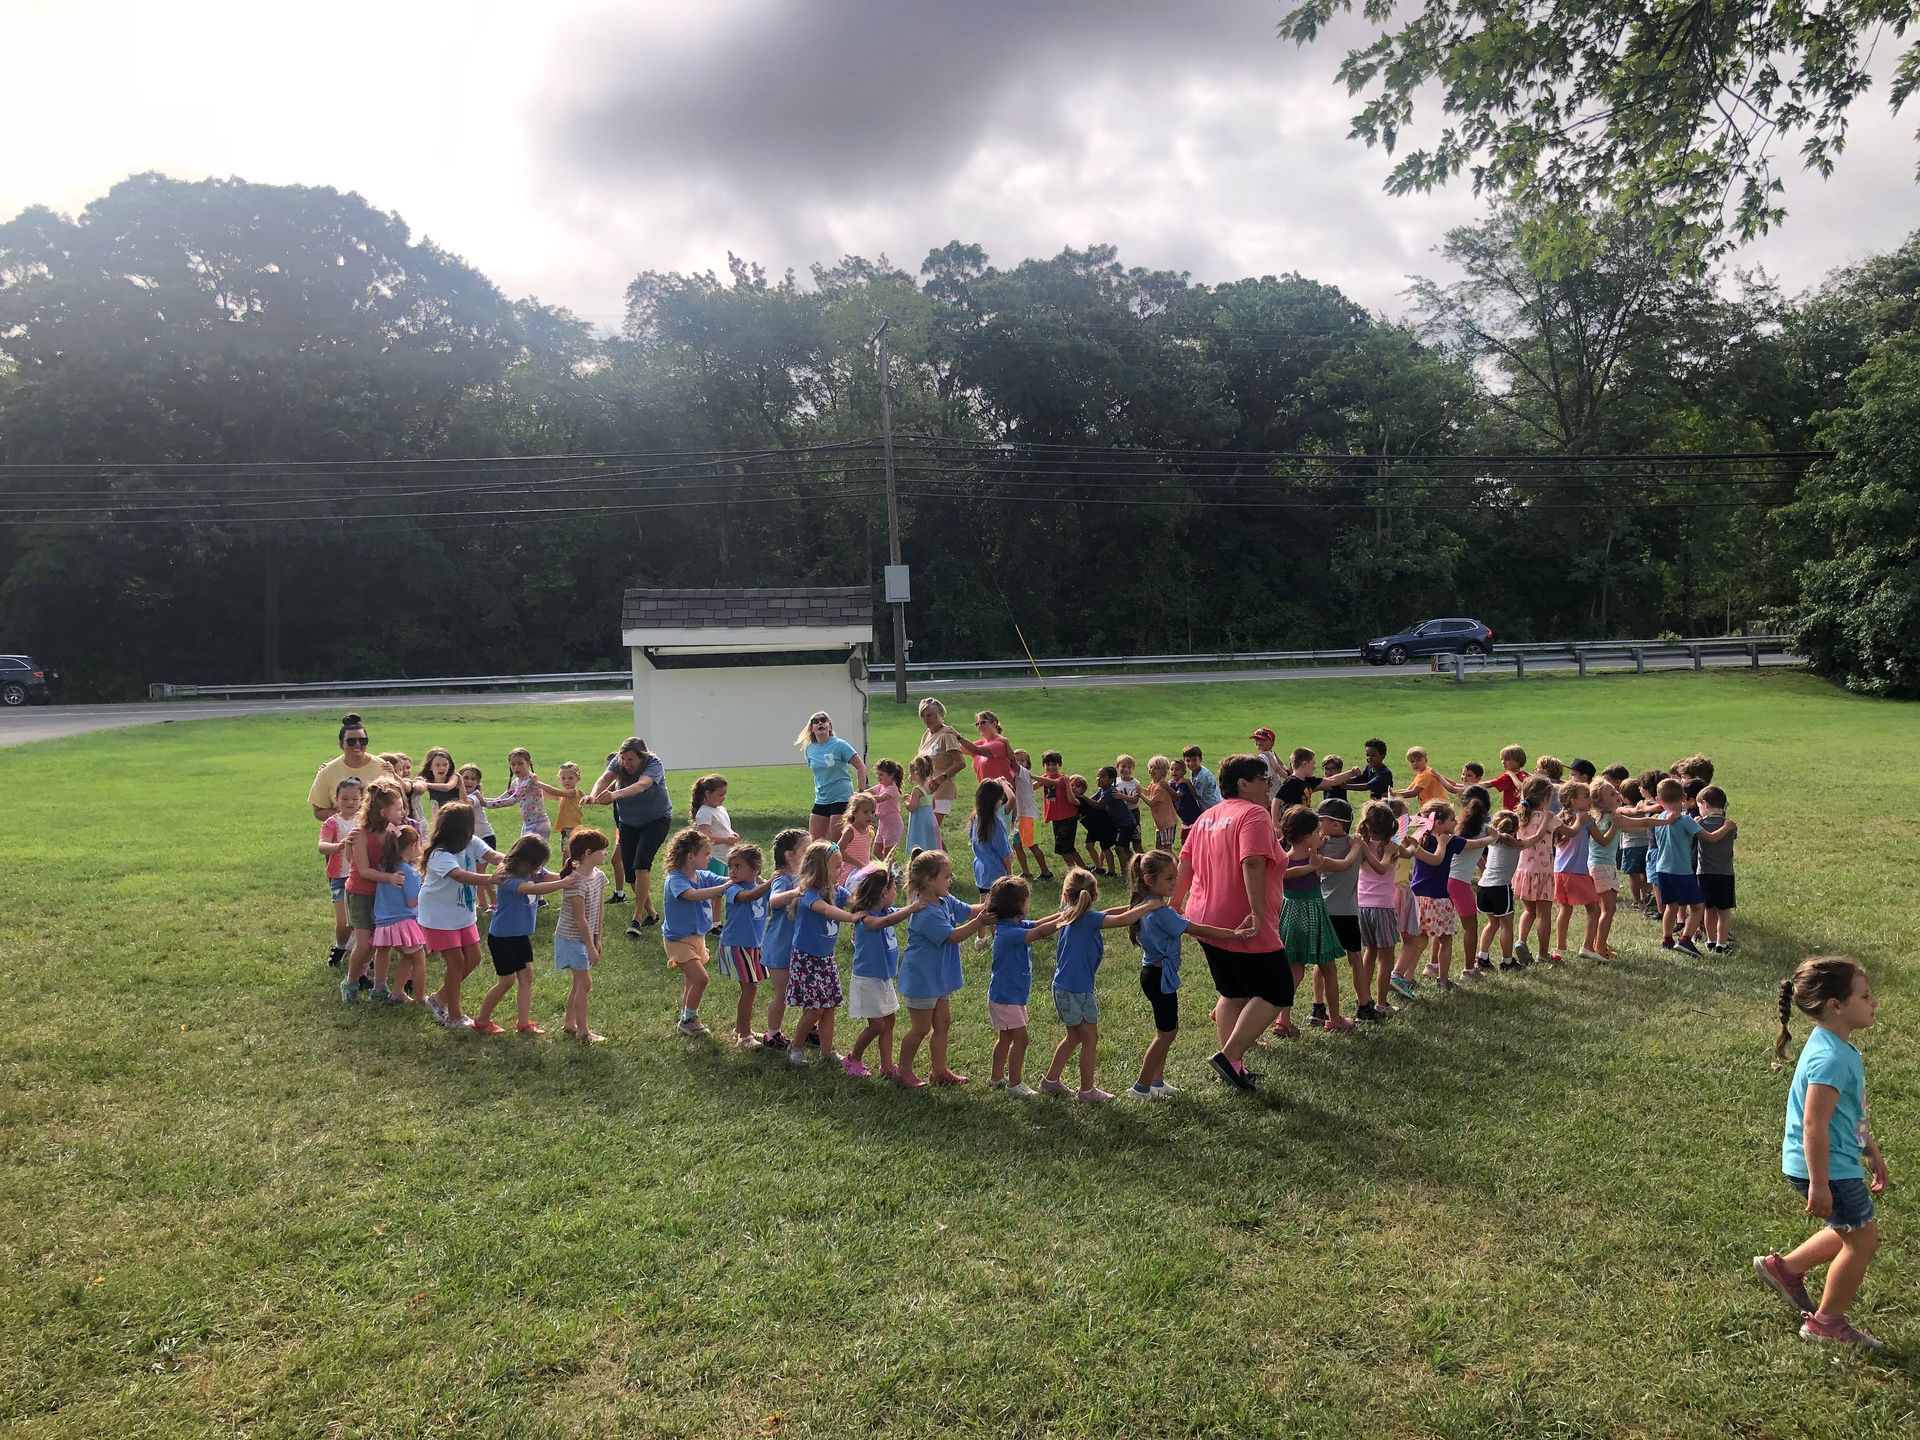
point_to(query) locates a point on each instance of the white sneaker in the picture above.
(1023, 1090)
(798, 1056)
(1586, 954)
(1134, 1092)
(1161, 1087)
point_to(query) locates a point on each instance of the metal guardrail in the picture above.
(1583, 653)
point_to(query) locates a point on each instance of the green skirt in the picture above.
(1305, 931)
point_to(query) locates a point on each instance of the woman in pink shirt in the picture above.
(1231, 870)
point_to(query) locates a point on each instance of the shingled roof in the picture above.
(836, 606)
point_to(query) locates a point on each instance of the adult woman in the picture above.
(354, 759)
(946, 751)
(1232, 867)
(636, 786)
(834, 764)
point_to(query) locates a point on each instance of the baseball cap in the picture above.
(1335, 810)
(1263, 733)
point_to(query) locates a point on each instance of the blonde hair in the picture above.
(806, 730)
(861, 801)
(1416, 752)
(1159, 765)
(1574, 791)
(1513, 753)
(817, 865)
(931, 704)
(1078, 891)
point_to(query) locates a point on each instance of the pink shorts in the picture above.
(1007, 1017)
(401, 935)
(1570, 888)
(438, 940)
(1465, 903)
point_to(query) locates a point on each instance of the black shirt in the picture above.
(1295, 789)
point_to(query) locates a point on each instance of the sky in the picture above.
(566, 146)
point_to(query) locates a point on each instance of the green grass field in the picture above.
(229, 1205)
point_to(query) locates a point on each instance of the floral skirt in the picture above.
(813, 982)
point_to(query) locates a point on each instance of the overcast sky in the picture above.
(564, 146)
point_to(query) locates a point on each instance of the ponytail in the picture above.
(1078, 891)
(1786, 1015)
(1142, 870)
(1815, 983)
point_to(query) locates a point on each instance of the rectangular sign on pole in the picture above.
(898, 589)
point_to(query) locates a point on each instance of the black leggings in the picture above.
(640, 843)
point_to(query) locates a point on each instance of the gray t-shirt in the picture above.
(1717, 858)
(650, 804)
(1340, 889)
(1500, 862)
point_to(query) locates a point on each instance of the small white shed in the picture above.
(728, 677)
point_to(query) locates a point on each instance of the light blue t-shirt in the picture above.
(1826, 1059)
(1160, 932)
(683, 918)
(993, 856)
(930, 965)
(1011, 979)
(1673, 846)
(923, 826)
(832, 775)
(1083, 945)
(1598, 854)
(746, 923)
(514, 912)
(876, 952)
(777, 951)
(814, 933)
(1205, 787)
(390, 905)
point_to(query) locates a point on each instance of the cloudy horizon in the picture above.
(565, 153)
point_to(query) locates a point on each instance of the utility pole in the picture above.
(896, 578)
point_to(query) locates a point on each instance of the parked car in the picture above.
(25, 681)
(1434, 637)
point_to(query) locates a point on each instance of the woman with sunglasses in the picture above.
(354, 759)
(834, 763)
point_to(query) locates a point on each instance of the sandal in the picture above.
(529, 1029)
(487, 1027)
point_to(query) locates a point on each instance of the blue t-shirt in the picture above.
(684, 918)
(651, 804)
(814, 933)
(777, 951)
(514, 912)
(1673, 846)
(876, 952)
(1083, 945)
(1826, 1059)
(390, 905)
(930, 966)
(832, 776)
(1011, 980)
(1160, 932)
(993, 856)
(746, 923)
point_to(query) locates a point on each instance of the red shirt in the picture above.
(1507, 787)
(1059, 793)
(1217, 842)
(997, 763)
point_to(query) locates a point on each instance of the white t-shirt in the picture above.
(1024, 805)
(711, 818)
(446, 903)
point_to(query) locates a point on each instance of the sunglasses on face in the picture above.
(358, 742)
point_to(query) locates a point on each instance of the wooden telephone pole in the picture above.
(893, 523)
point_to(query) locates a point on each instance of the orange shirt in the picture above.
(1427, 786)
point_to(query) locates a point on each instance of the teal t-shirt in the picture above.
(1826, 1059)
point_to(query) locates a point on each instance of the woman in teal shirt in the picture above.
(834, 763)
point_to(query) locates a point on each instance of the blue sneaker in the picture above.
(1403, 985)
(349, 992)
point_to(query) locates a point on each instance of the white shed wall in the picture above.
(709, 719)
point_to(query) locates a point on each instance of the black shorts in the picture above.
(1347, 927)
(1063, 837)
(1166, 1008)
(511, 953)
(1128, 834)
(1494, 901)
(1716, 892)
(827, 807)
(640, 843)
(1241, 976)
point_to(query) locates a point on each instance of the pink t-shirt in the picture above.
(997, 763)
(1217, 842)
(337, 827)
(1377, 890)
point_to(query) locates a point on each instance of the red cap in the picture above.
(1263, 733)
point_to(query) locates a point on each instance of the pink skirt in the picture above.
(887, 831)
(401, 935)
(439, 940)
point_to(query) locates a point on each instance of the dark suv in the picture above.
(1435, 637)
(24, 680)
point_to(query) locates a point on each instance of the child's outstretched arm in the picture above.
(754, 892)
(1115, 919)
(557, 792)
(1331, 866)
(1242, 931)
(1718, 837)
(1480, 842)
(1041, 928)
(1603, 828)
(546, 887)
(828, 909)
(899, 917)
(706, 892)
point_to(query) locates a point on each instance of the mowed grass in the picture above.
(230, 1205)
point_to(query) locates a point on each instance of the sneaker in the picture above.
(1522, 954)
(775, 1040)
(1790, 1287)
(488, 1027)
(1586, 954)
(1402, 985)
(797, 1056)
(1685, 944)
(1285, 1030)
(1232, 1074)
(649, 920)
(855, 1068)
(1726, 945)
(1366, 1014)
(748, 1042)
(633, 930)
(1474, 972)
(380, 994)
(1838, 1332)
(1053, 1087)
(591, 1037)
(1094, 1096)
(1163, 1089)
(1023, 1090)
(1446, 985)
(1509, 963)
(1317, 1017)
(813, 1039)
(1666, 942)
(437, 1008)
(1137, 1092)
(691, 1027)
(366, 982)
(349, 993)
(1483, 961)
(1431, 970)
(618, 897)
(335, 956)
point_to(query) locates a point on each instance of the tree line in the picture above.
(257, 432)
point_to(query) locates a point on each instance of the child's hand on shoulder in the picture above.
(1245, 930)
(397, 879)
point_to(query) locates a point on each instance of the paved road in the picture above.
(53, 722)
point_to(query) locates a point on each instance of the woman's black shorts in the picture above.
(511, 953)
(640, 843)
(1166, 1008)
(829, 807)
(1240, 976)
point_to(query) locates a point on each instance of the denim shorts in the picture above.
(1076, 1007)
(1852, 1202)
(337, 886)
(569, 953)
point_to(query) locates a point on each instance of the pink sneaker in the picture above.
(1790, 1287)
(1819, 1328)
(854, 1068)
(1093, 1096)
